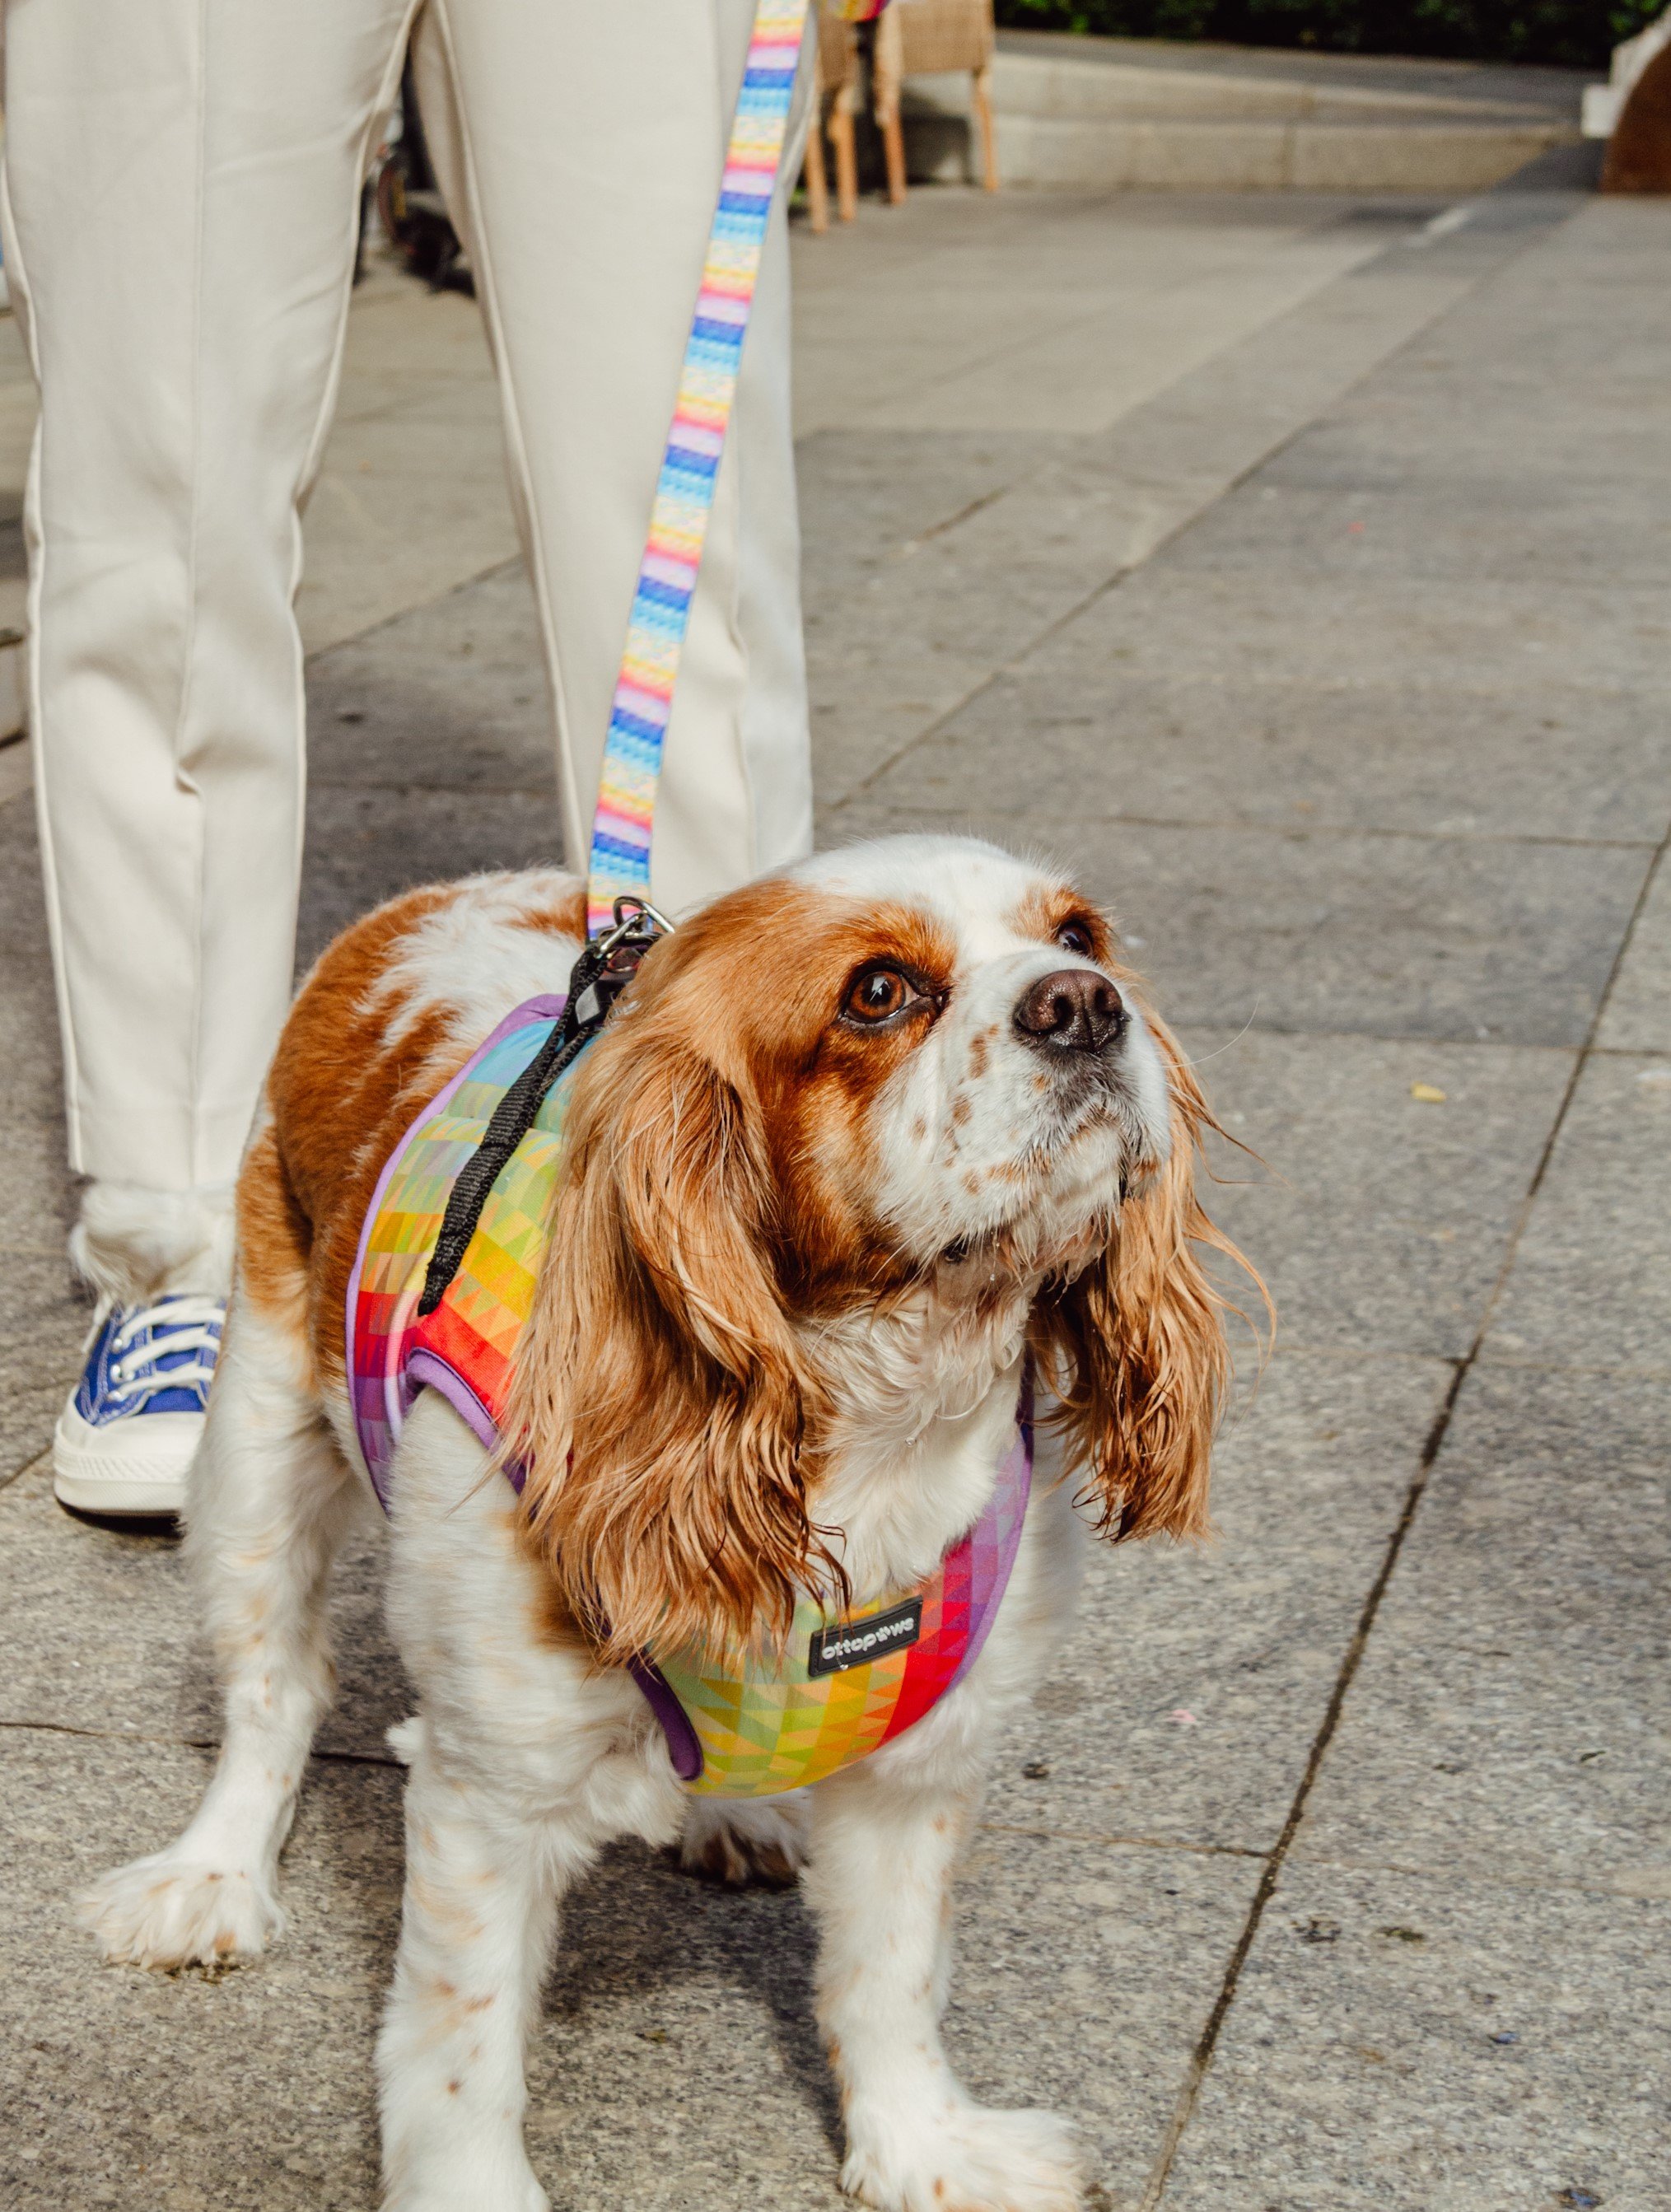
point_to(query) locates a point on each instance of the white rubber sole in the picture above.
(134, 1468)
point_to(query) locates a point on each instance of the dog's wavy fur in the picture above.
(1133, 1345)
(666, 1412)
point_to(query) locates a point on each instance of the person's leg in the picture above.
(580, 149)
(181, 208)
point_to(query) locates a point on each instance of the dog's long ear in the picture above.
(1135, 1345)
(659, 1405)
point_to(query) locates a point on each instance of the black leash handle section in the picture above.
(602, 971)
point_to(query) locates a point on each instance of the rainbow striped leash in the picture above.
(621, 828)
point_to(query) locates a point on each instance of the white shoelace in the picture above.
(188, 1323)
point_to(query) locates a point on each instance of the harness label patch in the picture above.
(856, 1642)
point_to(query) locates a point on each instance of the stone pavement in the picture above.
(1298, 569)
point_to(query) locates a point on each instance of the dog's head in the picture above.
(910, 1077)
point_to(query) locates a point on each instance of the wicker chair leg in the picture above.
(817, 182)
(893, 147)
(887, 79)
(988, 137)
(847, 160)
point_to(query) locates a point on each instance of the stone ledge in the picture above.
(1071, 122)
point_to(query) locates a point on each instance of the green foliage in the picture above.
(1578, 33)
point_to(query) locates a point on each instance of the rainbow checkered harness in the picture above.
(738, 1725)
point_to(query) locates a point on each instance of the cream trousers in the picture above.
(181, 199)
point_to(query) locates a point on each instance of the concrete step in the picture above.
(1067, 87)
(1072, 122)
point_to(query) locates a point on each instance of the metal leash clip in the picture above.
(609, 964)
(602, 971)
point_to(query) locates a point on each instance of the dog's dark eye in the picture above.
(878, 993)
(1075, 937)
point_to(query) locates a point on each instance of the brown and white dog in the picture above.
(857, 1137)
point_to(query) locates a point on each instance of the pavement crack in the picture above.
(1202, 2056)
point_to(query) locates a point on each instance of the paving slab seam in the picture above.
(439, 598)
(183, 1743)
(1232, 483)
(28, 1467)
(1115, 1842)
(1241, 825)
(1414, 685)
(1346, 1355)
(1275, 1025)
(539, 792)
(1202, 2057)
(1621, 1368)
(910, 545)
(1472, 1877)
(1328, 682)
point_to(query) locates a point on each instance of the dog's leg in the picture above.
(525, 1759)
(881, 1852)
(746, 1839)
(483, 1879)
(269, 1498)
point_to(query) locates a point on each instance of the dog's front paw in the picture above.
(488, 2185)
(743, 1840)
(169, 1912)
(963, 2158)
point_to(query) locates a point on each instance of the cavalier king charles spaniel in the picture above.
(860, 1141)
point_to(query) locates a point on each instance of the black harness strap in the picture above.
(513, 1118)
(602, 971)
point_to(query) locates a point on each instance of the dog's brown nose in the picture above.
(1072, 1009)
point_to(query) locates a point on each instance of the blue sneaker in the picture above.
(126, 1437)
